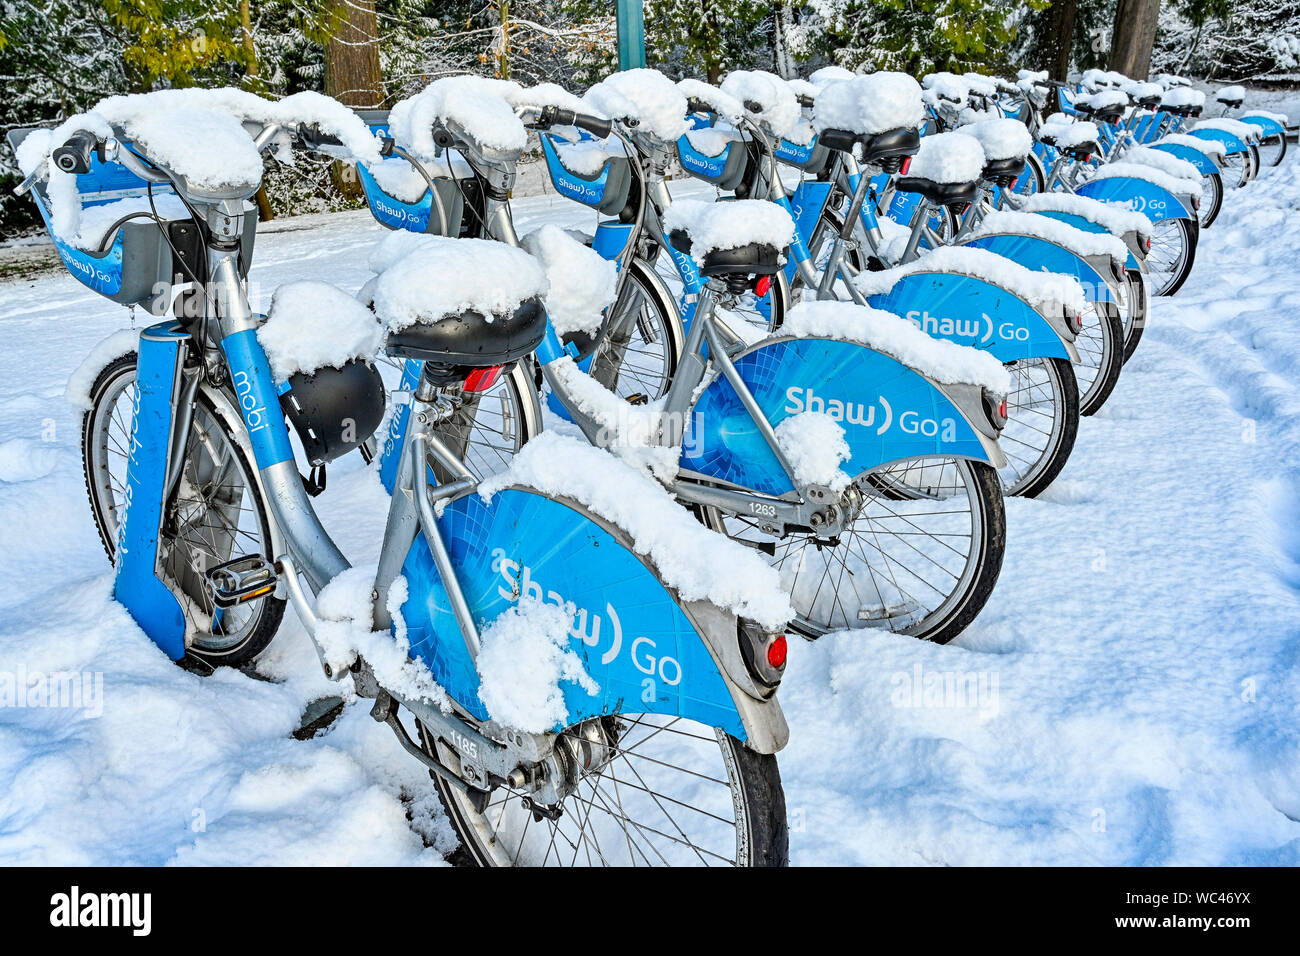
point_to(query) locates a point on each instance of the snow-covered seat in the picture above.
(1232, 96)
(743, 237)
(946, 170)
(458, 303)
(1006, 144)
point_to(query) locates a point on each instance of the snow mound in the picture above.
(725, 105)
(1063, 234)
(581, 283)
(1165, 162)
(814, 445)
(1000, 138)
(1243, 131)
(948, 363)
(438, 277)
(313, 325)
(830, 74)
(870, 104)
(646, 96)
(474, 106)
(773, 102)
(1209, 147)
(699, 564)
(525, 655)
(729, 225)
(1045, 290)
(1114, 218)
(77, 392)
(1174, 184)
(345, 611)
(948, 158)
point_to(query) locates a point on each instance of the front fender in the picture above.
(888, 412)
(1153, 201)
(648, 651)
(972, 311)
(1044, 256)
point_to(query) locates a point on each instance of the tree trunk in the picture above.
(782, 61)
(352, 74)
(1060, 37)
(352, 55)
(1133, 37)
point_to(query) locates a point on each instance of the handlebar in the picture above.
(549, 116)
(74, 155)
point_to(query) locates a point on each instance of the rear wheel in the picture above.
(643, 340)
(1173, 251)
(1101, 355)
(667, 792)
(1211, 198)
(215, 513)
(1273, 150)
(1042, 422)
(920, 558)
(1135, 314)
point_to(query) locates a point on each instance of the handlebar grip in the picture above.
(557, 116)
(74, 155)
(698, 106)
(313, 137)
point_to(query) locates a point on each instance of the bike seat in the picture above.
(1232, 104)
(892, 144)
(472, 340)
(741, 237)
(1008, 169)
(1149, 102)
(751, 259)
(941, 194)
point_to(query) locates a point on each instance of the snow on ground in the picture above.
(1130, 693)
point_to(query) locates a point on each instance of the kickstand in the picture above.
(318, 715)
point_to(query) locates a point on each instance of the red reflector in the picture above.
(762, 286)
(481, 379)
(776, 652)
(907, 164)
(1002, 409)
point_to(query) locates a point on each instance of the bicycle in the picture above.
(603, 782)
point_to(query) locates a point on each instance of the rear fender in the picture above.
(1096, 277)
(1232, 143)
(1135, 251)
(888, 412)
(972, 311)
(1154, 202)
(1205, 164)
(648, 651)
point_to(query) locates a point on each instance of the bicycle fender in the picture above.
(1044, 256)
(1230, 142)
(136, 584)
(888, 412)
(1156, 203)
(972, 311)
(1268, 126)
(1087, 225)
(649, 651)
(1203, 163)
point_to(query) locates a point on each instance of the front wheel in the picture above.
(920, 557)
(1042, 422)
(215, 513)
(664, 791)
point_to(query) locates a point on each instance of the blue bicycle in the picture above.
(656, 748)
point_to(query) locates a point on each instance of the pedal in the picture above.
(241, 579)
(638, 398)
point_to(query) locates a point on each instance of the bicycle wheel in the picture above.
(1254, 161)
(1135, 312)
(1236, 170)
(1101, 355)
(747, 314)
(1173, 251)
(920, 558)
(1211, 198)
(643, 341)
(662, 791)
(1272, 150)
(1042, 422)
(215, 513)
(819, 249)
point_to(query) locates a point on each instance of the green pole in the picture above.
(631, 34)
